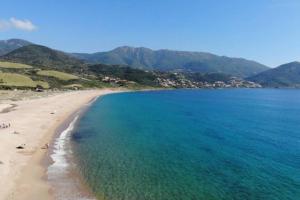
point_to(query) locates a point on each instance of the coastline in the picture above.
(36, 122)
(61, 171)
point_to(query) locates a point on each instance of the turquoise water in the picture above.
(192, 145)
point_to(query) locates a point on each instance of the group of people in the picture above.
(3, 125)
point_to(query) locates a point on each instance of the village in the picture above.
(182, 82)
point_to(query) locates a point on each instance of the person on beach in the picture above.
(5, 125)
(46, 146)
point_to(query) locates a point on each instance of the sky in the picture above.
(267, 31)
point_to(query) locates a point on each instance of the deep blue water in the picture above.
(192, 145)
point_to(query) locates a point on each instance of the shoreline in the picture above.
(70, 175)
(38, 121)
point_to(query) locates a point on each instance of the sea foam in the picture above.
(65, 184)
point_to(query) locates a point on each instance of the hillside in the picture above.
(56, 69)
(23, 76)
(17, 50)
(287, 75)
(44, 57)
(7, 46)
(167, 60)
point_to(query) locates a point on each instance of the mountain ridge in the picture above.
(9, 45)
(286, 75)
(174, 60)
(44, 60)
(147, 59)
(42, 56)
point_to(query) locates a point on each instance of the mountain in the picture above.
(287, 75)
(7, 46)
(56, 69)
(49, 64)
(44, 57)
(168, 60)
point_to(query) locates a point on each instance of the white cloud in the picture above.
(19, 24)
(25, 25)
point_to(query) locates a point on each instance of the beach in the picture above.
(30, 124)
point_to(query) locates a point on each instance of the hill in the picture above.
(125, 73)
(11, 65)
(44, 57)
(22, 76)
(287, 75)
(19, 80)
(168, 60)
(58, 69)
(7, 46)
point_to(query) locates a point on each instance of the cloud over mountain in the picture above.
(18, 24)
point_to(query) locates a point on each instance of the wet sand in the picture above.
(33, 123)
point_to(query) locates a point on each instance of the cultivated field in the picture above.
(56, 74)
(18, 80)
(12, 65)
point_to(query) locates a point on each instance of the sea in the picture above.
(194, 144)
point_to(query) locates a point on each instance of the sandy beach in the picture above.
(31, 123)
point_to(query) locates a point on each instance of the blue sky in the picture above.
(267, 31)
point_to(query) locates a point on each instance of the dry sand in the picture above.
(22, 174)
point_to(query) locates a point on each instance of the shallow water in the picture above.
(192, 144)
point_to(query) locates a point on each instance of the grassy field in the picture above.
(11, 65)
(44, 84)
(10, 79)
(56, 74)
(72, 86)
(18, 80)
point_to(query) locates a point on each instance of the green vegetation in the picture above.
(13, 65)
(45, 58)
(125, 73)
(7, 46)
(180, 61)
(43, 84)
(287, 75)
(10, 79)
(209, 78)
(56, 74)
(73, 86)
(18, 80)
(27, 65)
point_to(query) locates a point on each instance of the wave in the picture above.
(61, 173)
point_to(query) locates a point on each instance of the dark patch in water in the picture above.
(209, 132)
